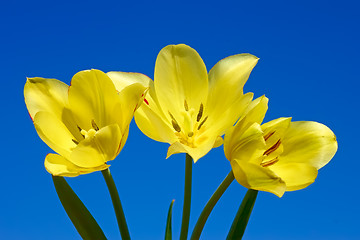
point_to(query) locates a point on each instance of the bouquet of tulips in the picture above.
(87, 125)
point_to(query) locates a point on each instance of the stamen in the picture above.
(175, 126)
(76, 142)
(94, 125)
(80, 131)
(267, 136)
(273, 148)
(172, 117)
(200, 112)
(202, 123)
(186, 105)
(270, 162)
(190, 134)
(174, 123)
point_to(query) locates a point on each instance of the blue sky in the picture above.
(308, 69)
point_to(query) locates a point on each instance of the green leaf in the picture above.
(242, 216)
(168, 234)
(82, 219)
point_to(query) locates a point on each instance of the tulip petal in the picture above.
(256, 110)
(123, 79)
(95, 151)
(255, 177)
(92, 96)
(130, 98)
(309, 142)
(195, 153)
(219, 141)
(180, 75)
(254, 113)
(230, 114)
(275, 130)
(57, 165)
(47, 95)
(54, 133)
(249, 146)
(296, 175)
(226, 81)
(154, 126)
(108, 140)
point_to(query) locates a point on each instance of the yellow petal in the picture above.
(124, 79)
(47, 95)
(254, 113)
(95, 151)
(256, 110)
(130, 98)
(309, 142)
(154, 126)
(253, 176)
(195, 153)
(218, 124)
(108, 140)
(219, 141)
(180, 75)
(58, 166)
(92, 96)
(276, 129)
(123, 140)
(226, 81)
(54, 133)
(247, 146)
(295, 175)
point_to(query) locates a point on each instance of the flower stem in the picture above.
(119, 212)
(210, 205)
(187, 198)
(242, 216)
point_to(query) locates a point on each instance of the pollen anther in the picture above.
(80, 131)
(202, 123)
(175, 126)
(273, 148)
(93, 124)
(200, 112)
(186, 105)
(270, 162)
(267, 136)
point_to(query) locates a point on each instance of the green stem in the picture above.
(242, 216)
(210, 205)
(187, 198)
(119, 212)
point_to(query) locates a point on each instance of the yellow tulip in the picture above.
(186, 106)
(87, 123)
(277, 156)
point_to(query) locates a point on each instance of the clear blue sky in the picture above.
(309, 69)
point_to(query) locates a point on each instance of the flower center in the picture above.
(88, 134)
(192, 125)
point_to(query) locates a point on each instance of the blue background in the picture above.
(309, 69)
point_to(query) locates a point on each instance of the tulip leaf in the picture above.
(242, 216)
(82, 219)
(168, 234)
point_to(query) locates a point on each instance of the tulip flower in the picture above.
(86, 123)
(277, 156)
(186, 106)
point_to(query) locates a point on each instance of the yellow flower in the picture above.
(277, 156)
(187, 107)
(87, 123)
